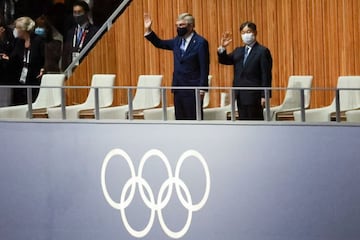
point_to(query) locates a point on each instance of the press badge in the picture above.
(24, 73)
(74, 56)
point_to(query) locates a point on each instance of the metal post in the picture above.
(97, 105)
(164, 104)
(337, 105)
(302, 105)
(63, 103)
(267, 105)
(232, 96)
(29, 101)
(198, 104)
(130, 104)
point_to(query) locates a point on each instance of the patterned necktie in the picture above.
(182, 46)
(79, 34)
(247, 50)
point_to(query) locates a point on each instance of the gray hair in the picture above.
(187, 17)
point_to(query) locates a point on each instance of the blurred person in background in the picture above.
(7, 11)
(26, 61)
(53, 44)
(7, 41)
(79, 35)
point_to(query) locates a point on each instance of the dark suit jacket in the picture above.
(68, 48)
(191, 69)
(255, 73)
(37, 59)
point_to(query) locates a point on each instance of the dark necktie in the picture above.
(182, 46)
(247, 50)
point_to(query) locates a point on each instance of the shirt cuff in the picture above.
(221, 49)
(147, 33)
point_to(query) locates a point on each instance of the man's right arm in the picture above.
(153, 38)
(223, 57)
(159, 43)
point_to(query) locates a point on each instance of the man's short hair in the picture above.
(83, 5)
(187, 17)
(248, 24)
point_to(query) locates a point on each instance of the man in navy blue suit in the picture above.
(191, 63)
(252, 68)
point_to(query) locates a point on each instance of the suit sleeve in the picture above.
(266, 70)
(159, 43)
(226, 59)
(204, 59)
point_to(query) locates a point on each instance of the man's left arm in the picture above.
(204, 60)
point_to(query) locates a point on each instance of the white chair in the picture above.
(349, 99)
(292, 100)
(48, 97)
(104, 82)
(157, 114)
(353, 116)
(148, 95)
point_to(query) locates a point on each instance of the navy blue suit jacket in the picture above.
(191, 69)
(257, 71)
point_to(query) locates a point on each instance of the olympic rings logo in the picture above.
(155, 205)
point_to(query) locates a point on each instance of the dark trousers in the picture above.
(250, 112)
(185, 106)
(20, 95)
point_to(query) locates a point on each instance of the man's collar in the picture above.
(84, 26)
(251, 45)
(188, 38)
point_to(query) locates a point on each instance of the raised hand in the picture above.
(147, 22)
(226, 39)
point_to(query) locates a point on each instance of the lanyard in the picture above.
(82, 38)
(27, 56)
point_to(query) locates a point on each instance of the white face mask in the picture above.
(15, 33)
(248, 38)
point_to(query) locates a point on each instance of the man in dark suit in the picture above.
(79, 35)
(191, 63)
(252, 68)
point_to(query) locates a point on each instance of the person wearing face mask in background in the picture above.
(79, 35)
(26, 61)
(7, 42)
(53, 44)
(252, 68)
(191, 63)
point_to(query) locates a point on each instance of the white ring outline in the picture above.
(150, 203)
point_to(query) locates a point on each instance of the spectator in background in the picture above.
(53, 44)
(7, 11)
(6, 46)
(26, 61)
(59, 18)
(7, 42)
(80, 35)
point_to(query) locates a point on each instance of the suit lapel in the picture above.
(191, 44)
(177, 50)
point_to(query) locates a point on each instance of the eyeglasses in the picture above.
(247, 31)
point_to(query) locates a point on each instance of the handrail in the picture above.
(105, 27)
(163, 91)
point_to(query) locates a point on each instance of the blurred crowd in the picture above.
(44, 36)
